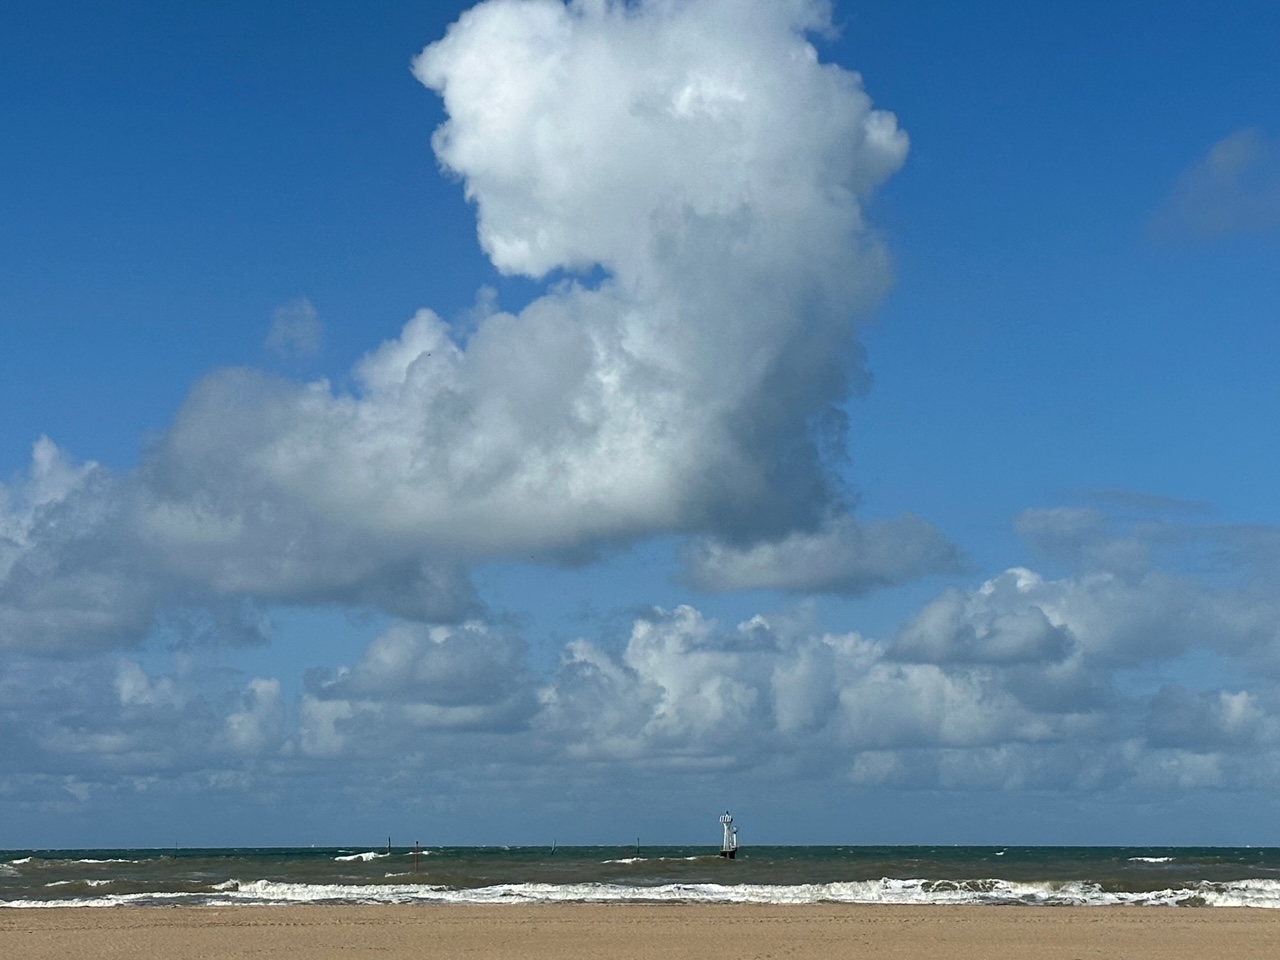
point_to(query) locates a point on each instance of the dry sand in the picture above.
(632, 932)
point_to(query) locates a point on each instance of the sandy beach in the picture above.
(627, 932)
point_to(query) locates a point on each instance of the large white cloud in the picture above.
(715, 170)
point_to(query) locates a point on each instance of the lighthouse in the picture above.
(729, 845)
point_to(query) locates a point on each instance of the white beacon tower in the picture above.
(729, 845)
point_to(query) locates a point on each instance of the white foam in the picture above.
(1151, 859)
(364, 856)
(272, 891)
(658, 859)
(101, 861)
(1243, 893)
(112, 900)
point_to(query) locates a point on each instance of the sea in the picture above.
(1025, 876)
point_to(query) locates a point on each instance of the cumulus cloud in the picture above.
(101, 721)
(1114, 620)
(1024, 681)
(417, 681)
(258, 724)
(1232, 189)
(842, 556)
(1207, 719)
(1012, 685)
(715, 172)
(67, 579)
(703, 157)
(467, 674)
(999, 623)
(685, 690)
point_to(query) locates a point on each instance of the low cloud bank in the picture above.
(1150, 681)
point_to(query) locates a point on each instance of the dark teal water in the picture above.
(1180, 876)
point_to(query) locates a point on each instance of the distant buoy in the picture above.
(729, 845)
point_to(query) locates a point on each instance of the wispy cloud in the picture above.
(842, 556)
(1232, 189)
(296, 330)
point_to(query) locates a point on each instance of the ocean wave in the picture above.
(273, 891)
(658, 859)
(371, 855)
(1151, 859)
(922, 892)
(1242, 893)
(109, 900)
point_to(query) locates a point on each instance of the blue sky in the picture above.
(878, 441)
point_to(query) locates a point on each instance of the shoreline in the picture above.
(641, 931)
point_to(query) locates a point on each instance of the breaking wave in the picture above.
(1240, 893)
(657, 859)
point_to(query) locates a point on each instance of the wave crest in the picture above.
(1243, 893)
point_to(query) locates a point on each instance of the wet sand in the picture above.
(640, 932)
